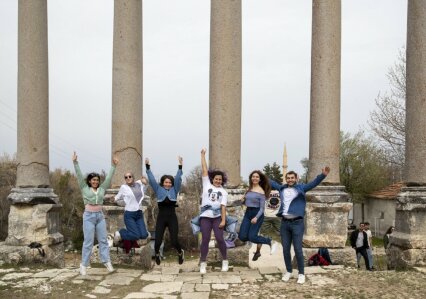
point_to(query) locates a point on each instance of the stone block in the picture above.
(400, 258)
(237, 256)
(326, 217)
(141, 258)
(339, 256)
(33, 196)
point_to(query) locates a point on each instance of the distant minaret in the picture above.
(285, 165)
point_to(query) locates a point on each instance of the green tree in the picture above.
(363, 165)
(273, 171)
(387, 120)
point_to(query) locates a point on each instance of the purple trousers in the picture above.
(206, 227)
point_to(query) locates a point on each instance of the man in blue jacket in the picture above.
(292, 212)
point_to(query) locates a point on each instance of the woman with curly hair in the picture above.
(167, 192)
(254, 199)
(213, 212)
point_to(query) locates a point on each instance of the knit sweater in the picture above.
(90, 196)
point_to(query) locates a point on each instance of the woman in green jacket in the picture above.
(93, 218)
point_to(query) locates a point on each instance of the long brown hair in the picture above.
(263, 182)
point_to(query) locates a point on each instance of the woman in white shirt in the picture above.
(213, 212)
(132, 193)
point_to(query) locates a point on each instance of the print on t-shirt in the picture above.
(213, 196)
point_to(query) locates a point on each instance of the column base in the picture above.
(17, 255)
(34, 228)
(326, 221)
(237, 256)
(408, 242)
(339, 256)
(141, 257)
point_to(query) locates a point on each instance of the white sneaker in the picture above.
(117, 237)
(203, 266)
(225, 266)
(287, 276)
(83, 270)
(301, 279)
(273, 247)
(109, 267)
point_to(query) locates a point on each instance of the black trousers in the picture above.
(363, 252)
(166, 218)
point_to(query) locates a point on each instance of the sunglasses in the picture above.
(127, 177)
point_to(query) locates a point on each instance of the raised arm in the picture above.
(80, 178)
(108, 178)
(151, 177)
(178, 177)
(204, 171)
(275, 185)
(317, 180)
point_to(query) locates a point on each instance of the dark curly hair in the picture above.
(214, 172)
(167, 176)
(263, 182)
(91, 176)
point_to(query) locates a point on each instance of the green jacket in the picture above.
(90, 197)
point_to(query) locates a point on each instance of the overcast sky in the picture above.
(276, 77)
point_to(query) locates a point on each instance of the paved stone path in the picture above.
(170, 280)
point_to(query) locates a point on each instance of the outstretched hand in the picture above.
(180, 159)
(74, 157)
(115, 160)
(203, 152)
(326, 170)
(146, 161)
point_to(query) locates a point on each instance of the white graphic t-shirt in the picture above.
(212, 196)
(289, 194)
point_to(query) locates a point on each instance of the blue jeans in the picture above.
(292, 232)
(94, 222)
(135, 226)
(249, 231)
(370, 257)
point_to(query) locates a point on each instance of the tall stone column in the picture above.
(127, 89)
(34, 213)
(127, 102)
(225, 88)
(408, 242)
(328, 204)
(225, 106)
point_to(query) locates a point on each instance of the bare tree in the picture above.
(387, 121)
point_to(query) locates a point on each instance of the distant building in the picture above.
(378, 209)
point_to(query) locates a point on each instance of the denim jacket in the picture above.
(298, 205)
(162, 192)
(230, 222)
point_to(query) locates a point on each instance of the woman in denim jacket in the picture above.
(166, 192)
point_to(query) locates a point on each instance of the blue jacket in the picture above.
(298, 205)
(162, 192)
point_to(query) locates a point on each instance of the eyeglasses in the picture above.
(127, 177)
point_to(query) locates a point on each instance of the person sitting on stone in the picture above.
(93, 218)
(213, 215)
(166, 192)
(132, 194)
(254, 199)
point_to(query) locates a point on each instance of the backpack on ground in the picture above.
(321, 258)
